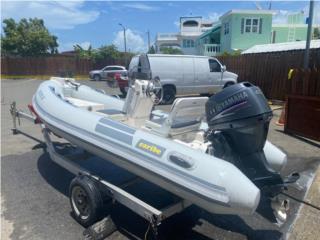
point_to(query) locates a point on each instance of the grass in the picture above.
(39, 77)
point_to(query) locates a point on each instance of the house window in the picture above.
(226, 28)
(188, 43)
(252, 25)
(248, 25)
(255, 25)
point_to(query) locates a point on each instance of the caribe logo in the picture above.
(150, 148)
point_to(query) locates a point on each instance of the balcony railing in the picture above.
(167, 36)
(210, 49)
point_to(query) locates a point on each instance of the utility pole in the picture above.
(125, 44)
(307, 51)
(148, 32)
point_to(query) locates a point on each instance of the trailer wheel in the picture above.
(86, 200)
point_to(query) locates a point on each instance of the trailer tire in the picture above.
(85, 200)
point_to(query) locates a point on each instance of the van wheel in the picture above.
(228, 84)
(86, 200)
(96, 77)
(169, 95)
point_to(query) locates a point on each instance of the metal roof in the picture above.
(213, 29)
(279, 47)
(251, 11)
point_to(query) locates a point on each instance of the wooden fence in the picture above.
(53, 65)
(269, 71)
(303, 104)
(304, 83)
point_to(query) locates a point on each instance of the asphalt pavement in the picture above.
(34, 190)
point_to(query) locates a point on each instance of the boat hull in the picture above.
(211, 183)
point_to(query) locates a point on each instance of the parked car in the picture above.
(106, 73)
(182, 74)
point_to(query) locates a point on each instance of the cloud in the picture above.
(135, 42)
(177, 23)
(141, 6)
(214, 16)
(316, 10)
(85, 45)
(281, 16)
(56, 14)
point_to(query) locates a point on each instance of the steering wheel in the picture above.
(155, 90)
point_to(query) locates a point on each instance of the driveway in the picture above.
(34, 190)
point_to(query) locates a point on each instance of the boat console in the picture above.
(139, 102)
(185, 115)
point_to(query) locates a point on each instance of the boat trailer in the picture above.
(106, 226)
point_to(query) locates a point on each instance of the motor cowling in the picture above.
(242, 113)
(238, 118)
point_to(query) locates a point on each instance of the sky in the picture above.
(96, 23)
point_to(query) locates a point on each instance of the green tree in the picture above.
(84, 53)
(171, 50)
(152, 50)
(107, 51)
(316, 33)
(102, 53)
(27, 38)
(234, 53)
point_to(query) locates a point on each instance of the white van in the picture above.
(182, 74)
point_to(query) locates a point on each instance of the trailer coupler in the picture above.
(18, 114)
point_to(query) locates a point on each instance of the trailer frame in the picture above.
(117, 193)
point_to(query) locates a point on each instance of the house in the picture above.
(239, 30)
(208, 44)
(236, 31)
(190, 29)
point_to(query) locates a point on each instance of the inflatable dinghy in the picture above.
(211, 152)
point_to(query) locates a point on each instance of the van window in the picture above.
(134, 62)
(214, 66)
(112, 69)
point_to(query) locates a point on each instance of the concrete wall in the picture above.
(281, 33)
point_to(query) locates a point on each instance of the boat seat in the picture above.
(84, 104)
(111, 111)
(185, 116)
(114, 114)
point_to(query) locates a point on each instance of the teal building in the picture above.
(239, 30)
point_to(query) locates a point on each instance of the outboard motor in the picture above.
(238, 119)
